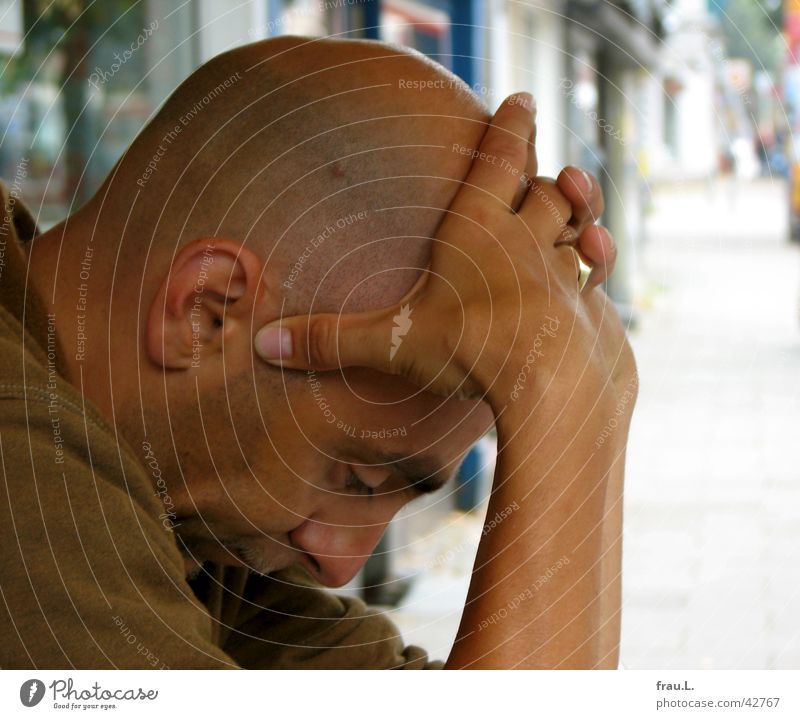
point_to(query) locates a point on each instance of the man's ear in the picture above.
(207, 296)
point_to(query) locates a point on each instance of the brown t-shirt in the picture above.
(90, 577)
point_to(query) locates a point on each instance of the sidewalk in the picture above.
(712, 528)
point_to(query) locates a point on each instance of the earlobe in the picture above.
(204, 296)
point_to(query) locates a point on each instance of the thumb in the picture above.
(328, 341)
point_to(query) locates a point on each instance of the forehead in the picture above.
(372, 415)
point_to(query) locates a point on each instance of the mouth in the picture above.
(308, 562)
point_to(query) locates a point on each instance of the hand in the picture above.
(500, 280)
(594, 242)
(498, 266)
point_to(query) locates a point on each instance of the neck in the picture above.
(72, 272)
(70, 277)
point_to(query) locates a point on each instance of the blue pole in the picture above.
(372, 19)
(274, 10)
(467, 19)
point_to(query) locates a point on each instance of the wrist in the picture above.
(559, 414)
(527, 368)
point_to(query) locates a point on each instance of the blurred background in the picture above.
(686, 110)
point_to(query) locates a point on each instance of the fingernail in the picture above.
(587, 181)
(274, 343)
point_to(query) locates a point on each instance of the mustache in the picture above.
(261, 556)
(259, 560)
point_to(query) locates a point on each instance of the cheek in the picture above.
(280, 500)
(290, 483)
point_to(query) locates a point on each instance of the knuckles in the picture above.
(320, 348)
(504, 146)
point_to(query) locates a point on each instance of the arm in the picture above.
(545, 591)
(545, 587)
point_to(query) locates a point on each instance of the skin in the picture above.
(257, 472)
(497, 274)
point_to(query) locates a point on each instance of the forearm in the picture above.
(542, 594)
(611, 597)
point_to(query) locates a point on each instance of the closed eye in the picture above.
(353, 483)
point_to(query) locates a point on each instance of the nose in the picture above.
(338, 551)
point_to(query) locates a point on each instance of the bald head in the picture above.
(282, 177)
(333, 159)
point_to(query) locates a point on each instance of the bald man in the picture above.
(183, 485)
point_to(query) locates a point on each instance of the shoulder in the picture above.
(91, 575)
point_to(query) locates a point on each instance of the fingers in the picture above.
(531, 168)
(547, 203)
(547, 212)
(583, 191)
(328, 341)
(500, 162)
(598, 247)
(595, 243)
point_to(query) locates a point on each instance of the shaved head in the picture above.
(334, 159)
(283, 177)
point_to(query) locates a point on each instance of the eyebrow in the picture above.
(423, 474)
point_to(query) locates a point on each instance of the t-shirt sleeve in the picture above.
(288, 621)
(90, 577)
